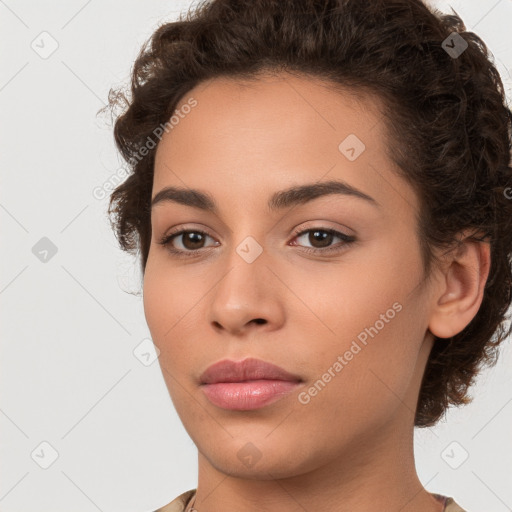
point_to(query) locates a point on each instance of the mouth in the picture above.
(246, 396)
(246, 385)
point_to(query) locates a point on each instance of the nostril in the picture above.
(259, 320)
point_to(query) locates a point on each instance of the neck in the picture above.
(381, 472)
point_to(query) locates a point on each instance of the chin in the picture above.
(270, 469)
(267, 459)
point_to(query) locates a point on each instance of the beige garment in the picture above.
(451, 506)
(180, 503)
(449, 503)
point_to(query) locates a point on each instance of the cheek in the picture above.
(157, 303)
(359, 386)
(369, 326)
(165, 309)
(166, 315)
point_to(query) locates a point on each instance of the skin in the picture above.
(351, 446)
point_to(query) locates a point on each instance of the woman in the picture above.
(320, 196)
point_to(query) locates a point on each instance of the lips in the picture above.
(247, 370)
(246, 385)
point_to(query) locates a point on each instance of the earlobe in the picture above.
(460, 292)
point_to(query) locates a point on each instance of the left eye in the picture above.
(323, 237)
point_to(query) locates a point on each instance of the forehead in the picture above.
(277, 131)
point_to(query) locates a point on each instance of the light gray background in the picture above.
(69, 376)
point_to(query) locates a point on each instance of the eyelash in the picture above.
(347, 239)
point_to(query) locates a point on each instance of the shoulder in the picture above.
(449, 503)
(452, 506)
(179, 504)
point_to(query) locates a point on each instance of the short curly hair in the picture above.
(447, 123)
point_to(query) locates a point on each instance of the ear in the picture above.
(459, 293)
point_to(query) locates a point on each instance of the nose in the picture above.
(248, 296)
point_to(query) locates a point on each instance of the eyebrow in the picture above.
(296, 195)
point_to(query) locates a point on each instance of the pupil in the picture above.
(193, 238)
(323, 237)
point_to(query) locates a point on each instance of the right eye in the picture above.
(192, 240)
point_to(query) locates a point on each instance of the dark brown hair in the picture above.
(448, 127)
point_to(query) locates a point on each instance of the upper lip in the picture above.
(247, 369)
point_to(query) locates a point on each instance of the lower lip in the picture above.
(246, 396)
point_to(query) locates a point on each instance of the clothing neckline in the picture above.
(444, 500)
(439, 497)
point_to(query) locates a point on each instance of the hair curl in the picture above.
(448, 125)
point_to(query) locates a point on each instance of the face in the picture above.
(327, 286)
